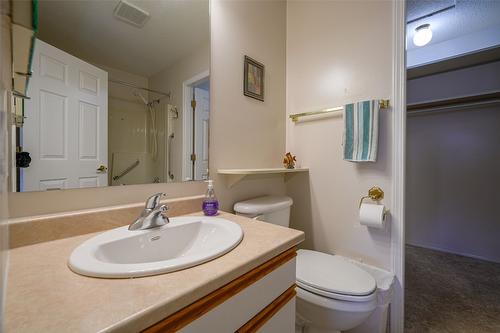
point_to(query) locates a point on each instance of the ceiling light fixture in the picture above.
(423, 35)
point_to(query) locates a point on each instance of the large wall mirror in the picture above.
(118, 95)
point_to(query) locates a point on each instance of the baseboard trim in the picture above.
(440, 249)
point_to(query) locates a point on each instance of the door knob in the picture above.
(23, 159)
(102, 168)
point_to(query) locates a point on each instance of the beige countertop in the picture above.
(44, 295)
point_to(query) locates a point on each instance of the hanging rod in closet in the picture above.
(453, 104)
(131, 85)
(383, 104)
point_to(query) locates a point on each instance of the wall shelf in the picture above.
(233, 176)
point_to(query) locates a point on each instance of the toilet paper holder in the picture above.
(373, 215)
(376, 194)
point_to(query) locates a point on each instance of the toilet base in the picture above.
(304, 326)
(308, 329)
(375, 323)
(325, 315)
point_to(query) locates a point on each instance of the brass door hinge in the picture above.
(193, 157)
(193, 104)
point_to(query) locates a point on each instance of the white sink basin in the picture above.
(184, 242)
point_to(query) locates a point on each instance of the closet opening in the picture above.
(452, 260)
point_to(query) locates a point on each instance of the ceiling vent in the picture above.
(130, 13)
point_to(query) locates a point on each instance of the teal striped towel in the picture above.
(360, 138)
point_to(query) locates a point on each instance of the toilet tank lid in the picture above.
(263, 205)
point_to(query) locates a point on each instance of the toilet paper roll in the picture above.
(372, 215)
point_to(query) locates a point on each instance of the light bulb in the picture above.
(423, 35)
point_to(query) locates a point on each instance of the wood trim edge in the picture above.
(254, 324)
(186, 315)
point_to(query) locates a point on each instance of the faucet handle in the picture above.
(161, 209)
(154, 201)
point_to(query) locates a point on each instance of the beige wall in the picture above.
(172, 79)
(5, 84)
(338, 52)
(3, 202)
(245, 132)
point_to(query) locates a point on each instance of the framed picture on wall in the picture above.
(253, 79)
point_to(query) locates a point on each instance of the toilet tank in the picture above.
(272, 209)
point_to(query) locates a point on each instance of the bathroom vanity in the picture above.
(250, 288)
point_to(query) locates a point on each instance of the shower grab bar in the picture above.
(169, 162)
(127, 170)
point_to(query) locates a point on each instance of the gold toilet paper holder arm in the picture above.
(375, 193)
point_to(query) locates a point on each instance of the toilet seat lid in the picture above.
(333, 274)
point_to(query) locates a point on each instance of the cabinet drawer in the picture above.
(242, 307)
(283, 321)
(230, 307)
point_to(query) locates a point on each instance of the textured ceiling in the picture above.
(88, 30)
(467, 17)
(416, 9)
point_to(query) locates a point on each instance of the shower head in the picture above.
(139, 95)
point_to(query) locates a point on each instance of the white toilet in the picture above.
(334, 293)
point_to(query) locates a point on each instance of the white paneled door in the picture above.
(65, 129)
(202, 116)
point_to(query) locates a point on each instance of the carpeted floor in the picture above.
(450, 293)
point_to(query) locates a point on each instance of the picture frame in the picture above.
(253, 79)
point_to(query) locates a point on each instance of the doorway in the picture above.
(196, 127)
(452, 261)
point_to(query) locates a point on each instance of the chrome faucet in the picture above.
(152, 215)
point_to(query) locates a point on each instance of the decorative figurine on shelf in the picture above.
(289, 161)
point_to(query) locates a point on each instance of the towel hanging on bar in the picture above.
(360, 138)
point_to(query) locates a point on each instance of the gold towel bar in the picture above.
(383, 104)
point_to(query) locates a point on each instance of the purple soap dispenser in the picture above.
(210, 203)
